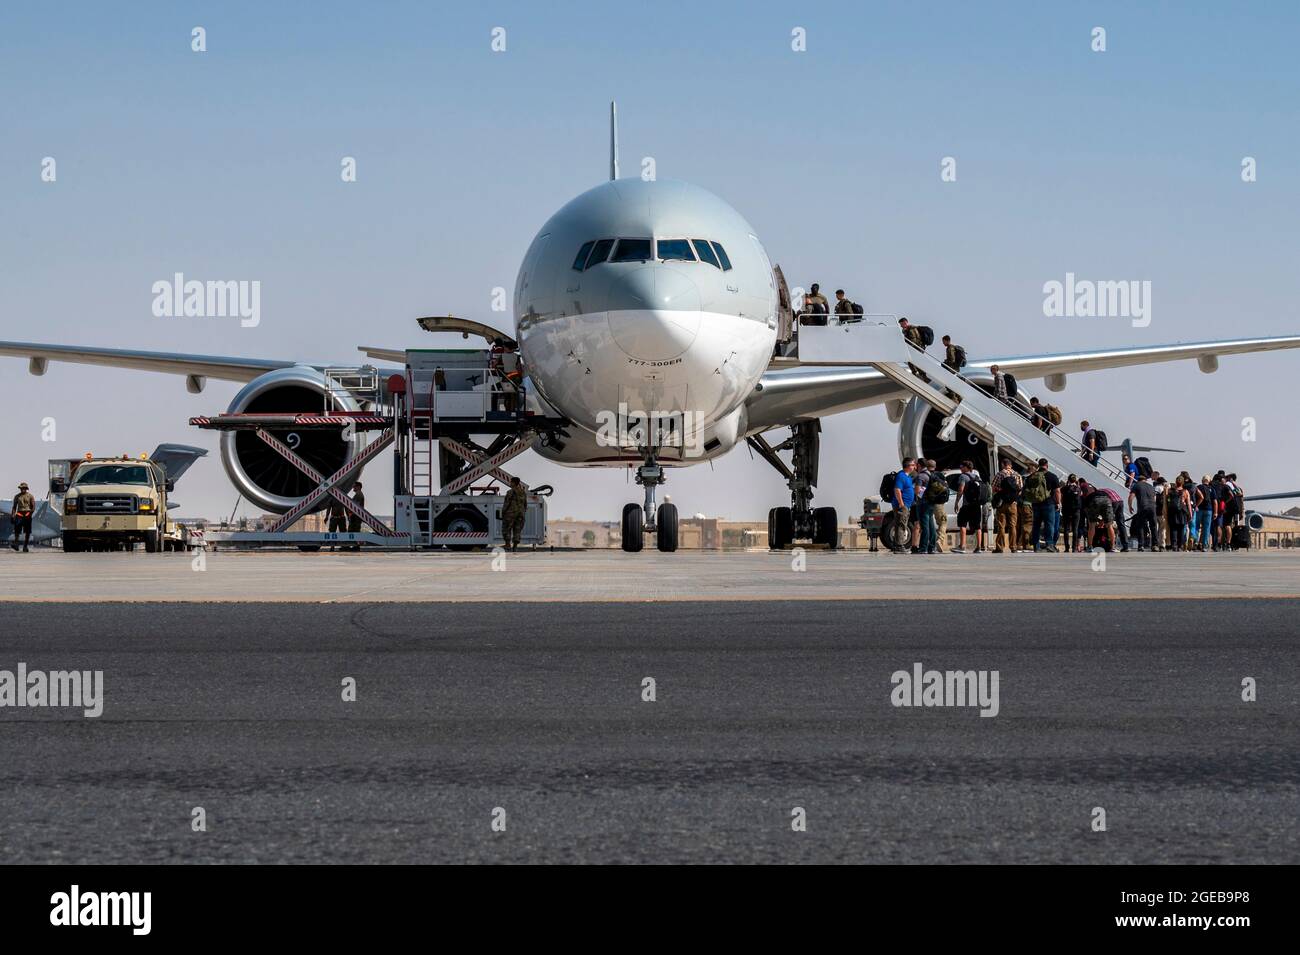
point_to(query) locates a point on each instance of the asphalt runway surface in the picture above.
(463, 709)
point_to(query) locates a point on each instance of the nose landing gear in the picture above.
(660, 520)
(799, 521)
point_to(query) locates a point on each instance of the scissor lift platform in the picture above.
(380, 535)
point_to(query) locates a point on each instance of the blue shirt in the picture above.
(903, 483)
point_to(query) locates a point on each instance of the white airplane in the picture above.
(644, 297)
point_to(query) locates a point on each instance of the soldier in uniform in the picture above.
(513, 512)
(815, 307)
(338, 516)
(24, 505)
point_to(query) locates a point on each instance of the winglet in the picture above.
(613, 140)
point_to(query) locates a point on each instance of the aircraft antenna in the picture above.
(613, 140)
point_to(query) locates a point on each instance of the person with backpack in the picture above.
(919, 337)
(1100, 514)
(973, 495)
(1203, 500)
(845, 310)
(1162, 517)
(1025, 516)
(1177, 514)
(1006, 492)
(1068, 517)
(1093, 441)
(999, 385)
(954, 356)
(1043, 493)
(903, 496)
(940, 512)
(1142, 500)
(932, 501)
(1234, 508)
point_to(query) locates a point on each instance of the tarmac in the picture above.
(603, 576)
(536, 717)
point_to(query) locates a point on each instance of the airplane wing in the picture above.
(794, 390)
(202, 366)
(176, 459)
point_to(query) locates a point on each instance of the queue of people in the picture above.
(1031, 509)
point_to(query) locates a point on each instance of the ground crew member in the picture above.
(513, 512)
(439, 379)
(354, 522)
(24, 505)
(337, 516)
(1006, 491)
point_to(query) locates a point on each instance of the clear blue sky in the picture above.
(1123, 164)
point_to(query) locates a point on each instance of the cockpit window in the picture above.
(668, 249)
(600, 252)
(632, 250)
(581, 260)
(705, 252)
(722, 256)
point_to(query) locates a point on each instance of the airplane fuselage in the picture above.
(646, 297)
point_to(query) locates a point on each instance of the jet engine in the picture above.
(918, 433)
(255, 468)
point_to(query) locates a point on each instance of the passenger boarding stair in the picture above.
(1007, 430)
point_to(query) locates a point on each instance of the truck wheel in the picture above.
(70, 544)
(151, 542)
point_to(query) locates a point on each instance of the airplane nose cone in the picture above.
(654, 313)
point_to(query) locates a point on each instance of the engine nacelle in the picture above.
(256, 469)
(918, 433)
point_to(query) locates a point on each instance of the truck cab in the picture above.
(115, 503)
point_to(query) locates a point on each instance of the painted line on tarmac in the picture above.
(700, 598)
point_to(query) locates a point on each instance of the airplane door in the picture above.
(787, 341)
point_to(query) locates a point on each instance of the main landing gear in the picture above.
(799, 521)
(640, 518)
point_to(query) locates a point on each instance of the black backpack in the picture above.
(887, 486)
(1143, 465)
(1009, 490)
(855, 308)
(1236, 505)
(1012, 388)
(1099, 440)
(927, 335)
(959, 354)
(983, 492)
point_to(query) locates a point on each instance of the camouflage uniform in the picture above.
(513, 512)
(24, 505)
